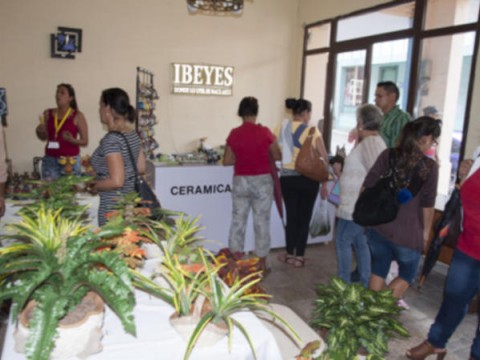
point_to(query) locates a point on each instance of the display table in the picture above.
(156, 339)
(205, 191)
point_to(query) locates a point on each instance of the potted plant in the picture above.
(151, 231)
(57, 194)
(181, 239)
(237, 265)
(201, 300)
(354, 318)
(128, 244)
(55, 263)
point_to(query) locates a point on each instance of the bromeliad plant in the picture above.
(182, 239)
(57, 194)
(55, 262)
(356, 317)
(127, 244)
(187, 285)
(224, 301)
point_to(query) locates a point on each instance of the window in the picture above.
(446, 64)
(431, 63)
(390, 19)
(443, 13)
(318, 36)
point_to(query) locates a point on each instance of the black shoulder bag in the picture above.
(149, 199)
(379, 204)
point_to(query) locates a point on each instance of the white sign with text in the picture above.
(205, 191)
(202, 79)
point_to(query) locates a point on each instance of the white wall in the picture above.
(315, 10)
(118, 36)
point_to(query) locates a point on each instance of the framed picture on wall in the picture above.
(65, 43)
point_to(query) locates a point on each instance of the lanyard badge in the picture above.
(58, 126)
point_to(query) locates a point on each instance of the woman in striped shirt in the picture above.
(115, 172)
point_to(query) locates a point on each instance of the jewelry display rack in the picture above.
(146, 119)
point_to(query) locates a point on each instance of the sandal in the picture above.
(286, 258)
(298, 262)
(425, 349)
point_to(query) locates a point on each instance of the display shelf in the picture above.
(145, 102)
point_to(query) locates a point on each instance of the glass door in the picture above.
(348, 94)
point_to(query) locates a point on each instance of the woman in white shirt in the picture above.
(357, 164)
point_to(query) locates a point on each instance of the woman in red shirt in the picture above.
(64, 128)
(248, 149)
(463, 277)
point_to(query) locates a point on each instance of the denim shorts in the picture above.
(51, 168)
(384, 252)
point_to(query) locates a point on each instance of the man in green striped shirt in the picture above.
(394, 119)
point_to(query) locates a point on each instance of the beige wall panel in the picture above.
(118, 36)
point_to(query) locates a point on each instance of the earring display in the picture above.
(146, 119)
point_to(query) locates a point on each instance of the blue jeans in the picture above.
(51, 169)
(349, 234)
(460, 287)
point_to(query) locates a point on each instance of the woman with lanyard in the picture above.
(65, 130)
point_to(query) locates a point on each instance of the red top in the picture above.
(469, 240)
(66, 148)
(250, 143)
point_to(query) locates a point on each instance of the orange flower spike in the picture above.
(132, 236)
(143, 211)
(136, 253)
(104, 248)
(193, 268)
(111, 214)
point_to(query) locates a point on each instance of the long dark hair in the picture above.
(298, 105)
(119, 101)
(407, 149)
(71, 92)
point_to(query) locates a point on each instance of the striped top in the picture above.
(111, 143)
(392, 125)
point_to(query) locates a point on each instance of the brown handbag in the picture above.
(308, 162)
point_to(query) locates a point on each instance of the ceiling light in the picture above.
(215, 6)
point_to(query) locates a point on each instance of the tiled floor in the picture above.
(296, 289)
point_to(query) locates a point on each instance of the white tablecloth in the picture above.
(156, 339)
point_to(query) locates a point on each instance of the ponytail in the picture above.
(298, 106)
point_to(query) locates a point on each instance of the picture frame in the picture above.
(65, 43)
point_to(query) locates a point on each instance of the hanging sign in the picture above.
(202, 79)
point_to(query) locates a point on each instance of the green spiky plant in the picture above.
(129, 208)
(55, 262)
(186, 286)
(225, 301)
(177, 237)
(57, 194)
(356, 317)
